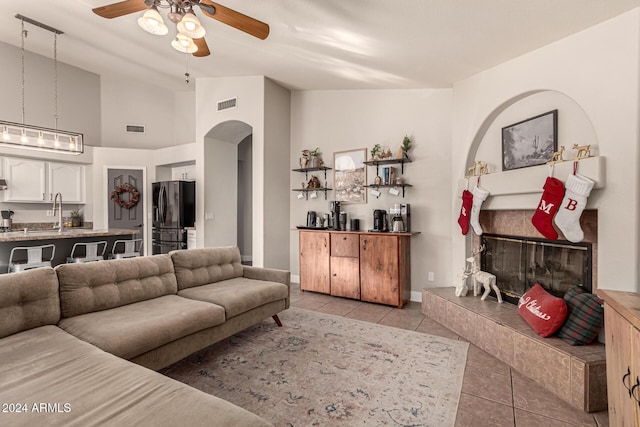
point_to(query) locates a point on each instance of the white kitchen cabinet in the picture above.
(26, 180)
(37, 181)
(67, 179)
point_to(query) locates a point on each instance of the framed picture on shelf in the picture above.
(350, 176)
(530, 142)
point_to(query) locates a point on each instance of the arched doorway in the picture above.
(228, 196)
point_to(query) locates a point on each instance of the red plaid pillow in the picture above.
(542, 311)
(585, 319)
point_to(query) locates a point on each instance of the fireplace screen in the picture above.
(519, 263)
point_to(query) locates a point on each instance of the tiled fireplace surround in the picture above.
(576, 374)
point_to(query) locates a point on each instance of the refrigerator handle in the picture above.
(162, 203)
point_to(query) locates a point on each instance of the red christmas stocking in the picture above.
(547, 208)
(465, 209)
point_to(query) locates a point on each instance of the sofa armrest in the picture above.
(269, 274)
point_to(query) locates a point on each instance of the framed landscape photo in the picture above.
(530, 142)
(350, 176)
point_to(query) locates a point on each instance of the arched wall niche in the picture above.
(574, 126)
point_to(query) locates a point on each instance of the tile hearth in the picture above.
(576, 374)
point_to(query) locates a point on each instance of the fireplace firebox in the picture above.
(520, 262)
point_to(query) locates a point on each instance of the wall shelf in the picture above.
(389, 186)
(306, 191)
(307, 170)
(377, 163)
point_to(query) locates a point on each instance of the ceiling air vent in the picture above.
(227, 104)
(135, 128)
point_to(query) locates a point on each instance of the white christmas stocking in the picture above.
(577, 189)
(479, 196)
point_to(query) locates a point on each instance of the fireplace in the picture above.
(554, 264)
(520, 262)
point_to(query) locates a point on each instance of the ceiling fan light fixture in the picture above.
(184, 44)
(151, 21)
(190, 26)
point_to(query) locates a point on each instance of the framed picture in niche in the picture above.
(350, 176)
(530, 142)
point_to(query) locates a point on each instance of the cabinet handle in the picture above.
(325, 242)
(344, 238)
(43, 196)
(632, 393)
(364, 245)
(627, 375)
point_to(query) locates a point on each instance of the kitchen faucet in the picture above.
(55, 199)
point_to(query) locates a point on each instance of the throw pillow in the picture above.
(585, 318)
(544, 312)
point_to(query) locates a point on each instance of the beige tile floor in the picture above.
(493, 394)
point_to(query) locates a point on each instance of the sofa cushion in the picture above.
(28, 299)
(134, 329)
(94, 286)
(238, 295)
(196, 267)
(82, 385)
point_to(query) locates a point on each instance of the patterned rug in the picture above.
(325, 370)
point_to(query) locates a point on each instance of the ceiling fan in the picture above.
(190, 33)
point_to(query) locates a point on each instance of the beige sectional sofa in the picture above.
(69, 335)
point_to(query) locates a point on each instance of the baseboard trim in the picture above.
(295, 278)
(416, 296)
(246, 258)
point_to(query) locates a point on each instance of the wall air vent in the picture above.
(135, 128)
(227, 104)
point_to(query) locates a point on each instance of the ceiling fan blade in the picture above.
(236, 19)
(203, 49)
(121, 8)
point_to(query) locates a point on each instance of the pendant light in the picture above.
(21, 135)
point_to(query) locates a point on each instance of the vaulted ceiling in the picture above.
(315, 44)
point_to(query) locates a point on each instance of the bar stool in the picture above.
(24, 258)
(126, 249)
(93, 251)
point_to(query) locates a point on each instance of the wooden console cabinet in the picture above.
(373, 267)
(622, 343)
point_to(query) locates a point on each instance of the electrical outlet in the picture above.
(431, 276)
(49, 213)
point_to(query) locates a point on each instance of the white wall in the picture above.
(597, 69)
(130, 102)
(251, 110)
(345, 120)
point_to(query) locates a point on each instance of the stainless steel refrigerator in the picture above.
(174, 208)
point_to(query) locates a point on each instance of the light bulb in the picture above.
(184, 44)
(5, 134)
(151, 21)
(56, 143)
(40, 138)
(23, 137)
(190, 26)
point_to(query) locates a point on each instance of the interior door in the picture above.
(119, 216)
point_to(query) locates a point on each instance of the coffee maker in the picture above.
(400, 217)
(334, 215)
(380, 220)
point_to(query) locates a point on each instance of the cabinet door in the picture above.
(25, 180)
(379, 269)
(620, 375)
(68, 180)
(345, 277)
(314, 262)
(635, 357)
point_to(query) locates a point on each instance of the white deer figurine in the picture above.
(487, 280)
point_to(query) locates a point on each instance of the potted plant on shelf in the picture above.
(375, 152)
(316, 158)
(76, 218)
(406, 146)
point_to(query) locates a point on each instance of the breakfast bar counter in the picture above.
(63, 241)
(67, 233)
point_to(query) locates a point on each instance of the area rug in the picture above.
(320, 369)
